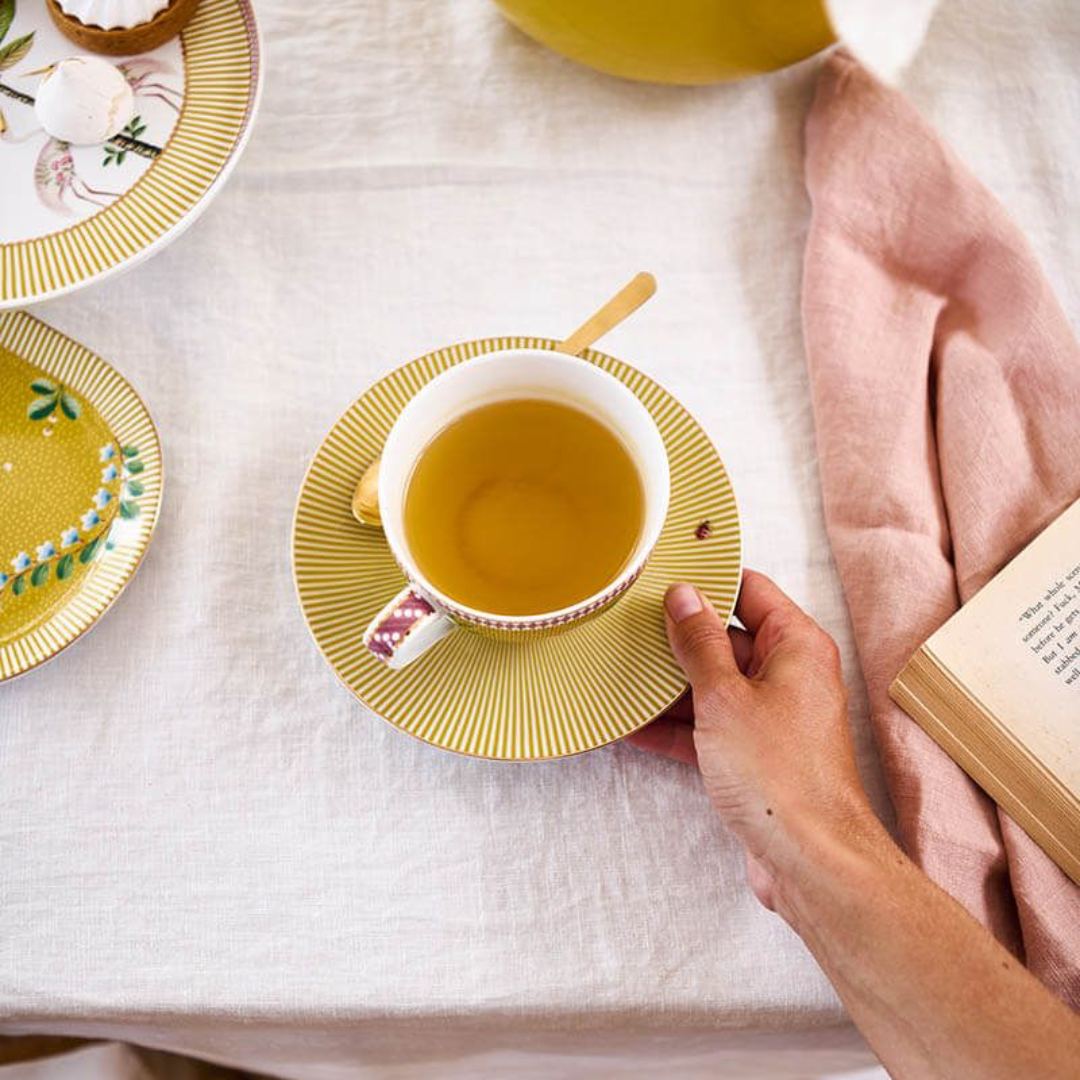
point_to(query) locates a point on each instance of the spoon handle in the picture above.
(365, 502)
(626, 301)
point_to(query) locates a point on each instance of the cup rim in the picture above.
(592, 602)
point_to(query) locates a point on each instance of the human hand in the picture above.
(766, 725)
(768, 730)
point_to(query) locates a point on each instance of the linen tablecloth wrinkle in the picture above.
(946, 384)
(206, 844)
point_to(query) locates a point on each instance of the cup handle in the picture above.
(406, 628)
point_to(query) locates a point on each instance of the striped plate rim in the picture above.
(124, 414)
(551, 697)
(222, 85)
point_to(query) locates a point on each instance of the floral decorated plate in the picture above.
(73, 214)
(475, 695)
(80, 487)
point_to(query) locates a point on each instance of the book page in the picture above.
(1016, 646)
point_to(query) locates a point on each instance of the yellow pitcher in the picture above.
(676, 41)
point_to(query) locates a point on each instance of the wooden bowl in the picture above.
(166, 24)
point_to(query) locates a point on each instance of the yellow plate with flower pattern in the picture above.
(547, 698)
(80, 487)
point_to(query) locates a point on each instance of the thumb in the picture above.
(698, 637)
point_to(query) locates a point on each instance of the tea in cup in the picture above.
(520, 492)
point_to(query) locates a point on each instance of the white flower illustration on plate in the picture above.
(89, 519)
(20, 562)
(69, 537)
(106, 453)
(109, 473)
(102, 498)
(45, 551)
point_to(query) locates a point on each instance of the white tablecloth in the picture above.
(206, 844)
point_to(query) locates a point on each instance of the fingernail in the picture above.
(682, 602)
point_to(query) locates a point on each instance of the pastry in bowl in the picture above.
(121, 27)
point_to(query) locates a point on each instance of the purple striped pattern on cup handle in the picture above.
(405, 628)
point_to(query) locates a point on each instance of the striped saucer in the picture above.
(550, 698)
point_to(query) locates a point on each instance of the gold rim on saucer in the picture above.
(80, 483)
(474, 695)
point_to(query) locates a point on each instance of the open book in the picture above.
(998, 686)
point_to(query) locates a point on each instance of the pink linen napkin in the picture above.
(946, 393)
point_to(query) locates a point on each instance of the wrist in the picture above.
(830, 860)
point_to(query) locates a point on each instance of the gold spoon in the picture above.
(365, 500)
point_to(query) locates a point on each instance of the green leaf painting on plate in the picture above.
(18, 48)
(101, 533)
(14, 51)
(7, 13)
(41, 407)
(52, 394)
(90, 550)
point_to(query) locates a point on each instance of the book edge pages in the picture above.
(978, 718)
(969, 734)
